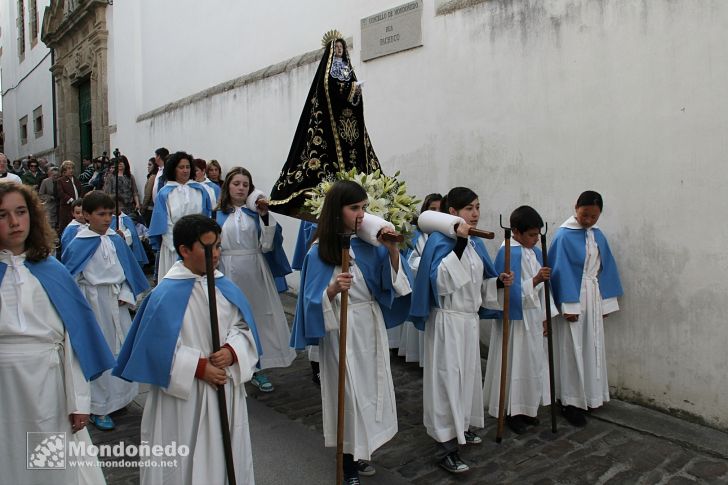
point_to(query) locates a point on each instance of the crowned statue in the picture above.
(331, 136)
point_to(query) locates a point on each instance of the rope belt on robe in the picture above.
(240, 252)
(54, 349)
(379, 351)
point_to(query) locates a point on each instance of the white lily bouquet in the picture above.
(388, 198)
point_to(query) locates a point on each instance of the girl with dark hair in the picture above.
(50, 345)
(375, 282)
(179, 197)
(454, 281)
(128, 193)
(252, 255)
(586, 284)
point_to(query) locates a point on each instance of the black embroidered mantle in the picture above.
(330, 137)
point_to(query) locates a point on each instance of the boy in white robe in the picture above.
(169, 347)
(110, 279)
(527, 374)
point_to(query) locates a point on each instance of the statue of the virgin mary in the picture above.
(331, 136)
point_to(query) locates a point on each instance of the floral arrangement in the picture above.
(388, 198)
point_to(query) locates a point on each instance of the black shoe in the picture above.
(574, 416)
(530, 420)
(315, 373)
(453, 463)
(516, 423)
(365, 468)
(352, 481)
(472, 438)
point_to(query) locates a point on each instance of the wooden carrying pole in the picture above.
(343, 320)
(506, 337)
(549, 333)
(221, 401)
(116, 186)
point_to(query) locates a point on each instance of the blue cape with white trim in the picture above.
(88, 342)
(149, 348)
(215, 188)
(80, 251)
(567, 255)
(136, 244)
(515, 311)
(308, 324)
(306, 230)
(68, 234)
(158, 225)
(276, 258)
(424, 297)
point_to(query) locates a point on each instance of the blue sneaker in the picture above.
(104, 423)
(261, 382)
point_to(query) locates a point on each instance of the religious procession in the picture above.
(489, 297)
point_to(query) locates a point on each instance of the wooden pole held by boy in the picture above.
(117, 155)
(506, 336)
(549, 334)
(221, 400)
(343, 316)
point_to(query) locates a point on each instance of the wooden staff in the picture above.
(221, 401)
(506, 336)
(343, 320)
(549, 338)
(117, 154)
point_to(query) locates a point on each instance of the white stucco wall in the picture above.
(25, 85)
(526, 102)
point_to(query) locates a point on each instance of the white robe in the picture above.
(243, 262)
(186, 412)
(41, 382)
(412, 341)
(452, 379)
(103, 283)
(527, 384)
(579, 356)
(181, 201)
(370, 412)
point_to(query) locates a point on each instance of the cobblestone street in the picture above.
(621, 444)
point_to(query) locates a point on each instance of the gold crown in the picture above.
(330, 36)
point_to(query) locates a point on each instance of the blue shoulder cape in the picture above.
(276, 258)
(215, 188)
(68, 234)
(88, 342)
(567, 255)
(424, 297)
(158, 225)
(308, 324)
(306, 230)
(80, 251)
(516, 294)
(136, 244)
(149, 348)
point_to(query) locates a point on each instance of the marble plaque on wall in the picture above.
(393, 30)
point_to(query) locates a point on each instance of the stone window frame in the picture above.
(21, 29)
(33, 22)
(23, 130)
(38, 121)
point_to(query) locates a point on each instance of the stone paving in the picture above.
(603, 452)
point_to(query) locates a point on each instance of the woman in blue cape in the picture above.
(586, 285)
(375, 282)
